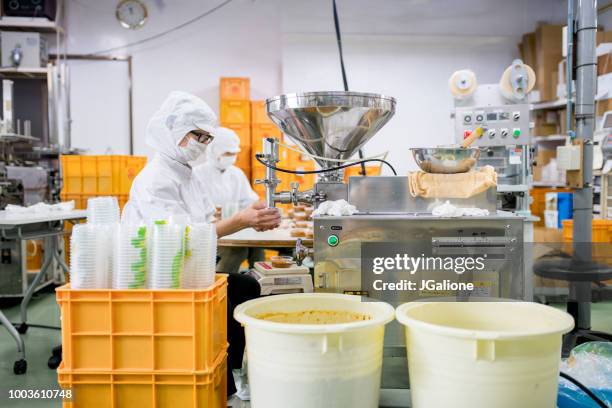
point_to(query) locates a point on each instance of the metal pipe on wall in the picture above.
(586, 77)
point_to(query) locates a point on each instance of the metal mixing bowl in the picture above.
(445, 160)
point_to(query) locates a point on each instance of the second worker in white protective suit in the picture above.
(179, 132)
(228, 188)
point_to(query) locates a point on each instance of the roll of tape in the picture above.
(505, 84)
(462, 83)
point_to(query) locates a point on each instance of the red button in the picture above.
(466, 134)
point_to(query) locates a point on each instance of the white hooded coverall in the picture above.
(225, 184)
(166, 187)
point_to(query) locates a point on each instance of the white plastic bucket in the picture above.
(483, 355)
(314, 365)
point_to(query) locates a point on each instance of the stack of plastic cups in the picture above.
(200, 256)
(103, 213)
(102, 210)
(130, 257)
(167, 255)
(89, 267)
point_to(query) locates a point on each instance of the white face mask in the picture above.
(225, 162)
(193, 150)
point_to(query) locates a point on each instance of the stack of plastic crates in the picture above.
(144, 348)
(84, 177)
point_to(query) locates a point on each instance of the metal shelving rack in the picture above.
(51, 84)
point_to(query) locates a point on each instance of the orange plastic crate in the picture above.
(235, 112)
(356, 171)
(118, 163)
(244, 157)
(105, 175)
(143, 330)
(133, 166)
(146, 390)
(259, 189)
(71, 174)
(89, 167)
(77, 198)
(306, 181)
(234, 88)
(243, 131)
(259, 114)
(260, 132)
(602, 231)
(122, 199)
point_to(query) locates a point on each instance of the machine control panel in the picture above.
(503, 124)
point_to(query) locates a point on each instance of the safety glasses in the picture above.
(201, 136)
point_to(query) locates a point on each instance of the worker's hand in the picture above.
(259, 217)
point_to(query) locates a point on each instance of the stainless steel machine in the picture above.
(29, 174)
(502, 110)
(332, 126)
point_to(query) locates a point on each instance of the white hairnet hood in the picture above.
(225, 141)
(180, 113)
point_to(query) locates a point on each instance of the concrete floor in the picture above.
(39, 342)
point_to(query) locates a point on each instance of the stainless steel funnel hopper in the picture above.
(332, 125)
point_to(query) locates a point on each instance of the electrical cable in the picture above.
(37, 326)
(164, 33)
(585, 389)
(314, 156)
(258, 157)
(344, 80)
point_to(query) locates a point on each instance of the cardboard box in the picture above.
(548, 44)
(604, 37)
(545, 130)
(542, 159)
(528, 50)
(604, 64)
(603, 106)
(545, 117)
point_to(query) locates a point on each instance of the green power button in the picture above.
(516, 133)
(332, 240)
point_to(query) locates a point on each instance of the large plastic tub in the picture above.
(146, 390)
(483, 355)
(142, 330)
(314, 365)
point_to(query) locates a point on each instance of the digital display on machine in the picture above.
(504, 116)
(491, 116)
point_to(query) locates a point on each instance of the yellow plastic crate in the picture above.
(243, 131)
(105, 175)
(234, 88)
(260, 132)
(100, 175)
(602, 231)
(142, 330)
(89, 167)
(235, 112)
(118, 163)
(133, 166)
(371, 170)
(259, 115)
(146, 390)
(72, 174)
(122, 199)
